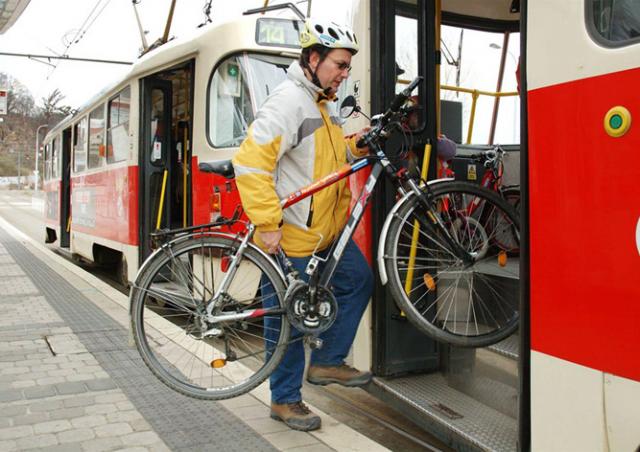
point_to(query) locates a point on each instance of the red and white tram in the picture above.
(126, 164)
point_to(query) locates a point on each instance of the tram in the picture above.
(126, 164)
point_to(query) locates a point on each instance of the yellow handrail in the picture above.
(161, 204)
(408, 284)
(475, 94)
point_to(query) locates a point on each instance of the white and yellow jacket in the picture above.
(295, 139)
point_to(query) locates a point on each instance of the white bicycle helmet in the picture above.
(328, 34)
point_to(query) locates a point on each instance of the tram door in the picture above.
(65, 193)
(154, 160)
(400, 347)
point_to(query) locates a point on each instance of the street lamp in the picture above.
(37, 172)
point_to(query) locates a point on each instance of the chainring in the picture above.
(305, 317)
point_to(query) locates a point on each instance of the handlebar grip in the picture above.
(402, 96)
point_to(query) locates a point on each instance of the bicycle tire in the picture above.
(435, 289)
(505, 238)
(166, 319)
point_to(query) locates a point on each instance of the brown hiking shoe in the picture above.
(343, 375)
(296, 415)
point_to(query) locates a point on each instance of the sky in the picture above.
(112, 33)
(46, 26)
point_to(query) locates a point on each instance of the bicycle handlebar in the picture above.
(397, 103)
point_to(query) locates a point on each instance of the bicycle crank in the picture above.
(308, 317)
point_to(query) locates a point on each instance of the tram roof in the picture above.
(10, 11)
(178, 50)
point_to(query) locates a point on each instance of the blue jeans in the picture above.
(352, 284)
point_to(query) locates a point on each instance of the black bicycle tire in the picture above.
(137, 322)
(397, 289)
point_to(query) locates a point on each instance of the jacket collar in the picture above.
(296, 74)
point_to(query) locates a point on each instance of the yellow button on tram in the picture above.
(617, 121)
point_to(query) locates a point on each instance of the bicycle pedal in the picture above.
(315, 343)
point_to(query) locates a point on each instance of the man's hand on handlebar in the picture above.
(358, 136)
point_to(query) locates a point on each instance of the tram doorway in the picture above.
(65, 194)
(164, 157)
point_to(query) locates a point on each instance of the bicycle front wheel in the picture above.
(191, 353)
(471, 302)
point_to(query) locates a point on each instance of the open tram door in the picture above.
(65, 189)
(165, 152)
(470, 398)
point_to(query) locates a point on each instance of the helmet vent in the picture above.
(319, 28)
(349, 36)
(333, 33)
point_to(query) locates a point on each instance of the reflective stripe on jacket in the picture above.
(295, 139)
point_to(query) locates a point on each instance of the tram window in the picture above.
(96, 136)
(47, 162)
(471, 61)
(53, 162)
(80, 146)
(237, 89)
(118, 127)
(616, 22)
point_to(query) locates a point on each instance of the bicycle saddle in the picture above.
(223, 168)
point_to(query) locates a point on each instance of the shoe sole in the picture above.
(297, 427)
(348, 384)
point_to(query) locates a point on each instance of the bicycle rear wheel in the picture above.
(201, 359)
(466, 304)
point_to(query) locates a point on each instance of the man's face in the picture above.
(333, 69)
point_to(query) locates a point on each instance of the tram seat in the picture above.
(223, 168)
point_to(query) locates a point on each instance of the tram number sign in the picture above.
(278, 32)
(3, 101)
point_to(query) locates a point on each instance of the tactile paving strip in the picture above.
(184, 424)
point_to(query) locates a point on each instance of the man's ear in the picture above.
(314, 59)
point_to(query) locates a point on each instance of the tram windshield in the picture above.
(237, 89)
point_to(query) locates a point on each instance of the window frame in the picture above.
(595, 34)
(76, 127)
(218, 64)
(110, 127)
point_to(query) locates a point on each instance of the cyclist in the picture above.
(295, 139)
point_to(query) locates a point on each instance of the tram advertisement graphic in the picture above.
(84, 211)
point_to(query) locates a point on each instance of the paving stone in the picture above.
(102, 384)
(102, 408)
(66, 413)
(30, 419)
(111, 398)
(101, 444)
(70, 447)
(10, 396)
(8, 445)
(46, 406)
(89, 421)
(21, 384)
(70, 388)
(118, 429)
(39, 392)
(290, 439)
(13, 410)
(39, 441)
(76, 435)
(52, 426)
(124, 416)
(80, 401)
(16, 432)
(140, 439)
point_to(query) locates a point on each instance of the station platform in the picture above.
(70, 378)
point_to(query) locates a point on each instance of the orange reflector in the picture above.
(218, 363)
(502, 258)
(429, 281)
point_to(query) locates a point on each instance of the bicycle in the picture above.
(493, 161)
(211, 312)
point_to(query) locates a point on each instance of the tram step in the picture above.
(461, 421)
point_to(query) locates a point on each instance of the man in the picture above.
(295, 139)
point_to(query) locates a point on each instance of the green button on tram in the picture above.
(617, 121)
